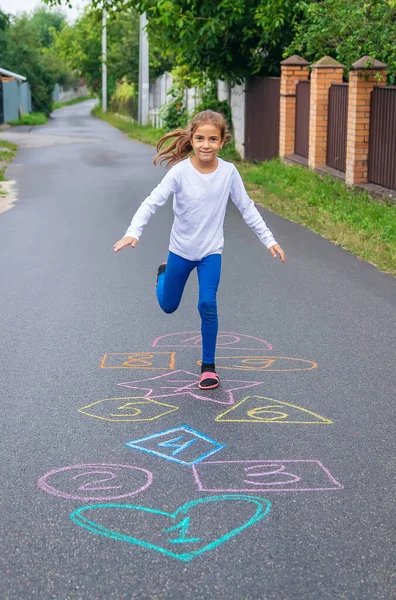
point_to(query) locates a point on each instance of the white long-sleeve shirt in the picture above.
(199, 206)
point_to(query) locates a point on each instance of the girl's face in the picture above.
(206, 142)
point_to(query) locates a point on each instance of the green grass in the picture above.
(34, 118)
(7, 153)
(348, 217)
(8, 145)
(146, 134)
(70, 102)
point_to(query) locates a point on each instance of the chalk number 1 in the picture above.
(184, 527)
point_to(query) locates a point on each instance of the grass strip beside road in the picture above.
(146, 134)
(70, 102)
(7, 154)
(39, 118)
(34, 118)
(348, 217)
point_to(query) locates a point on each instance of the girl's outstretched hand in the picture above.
(277, 250)
(123, 242)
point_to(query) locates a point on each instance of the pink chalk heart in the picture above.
(192, 529)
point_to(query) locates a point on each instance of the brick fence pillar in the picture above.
(324, 72)
(293, 70)
(362, 79)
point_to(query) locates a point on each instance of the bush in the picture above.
(175, 113)
(124, 100)
(209, 101)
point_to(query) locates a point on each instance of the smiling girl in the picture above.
(201, 185)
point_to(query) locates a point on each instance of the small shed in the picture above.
(15, 96)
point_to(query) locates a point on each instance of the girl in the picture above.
(201, 185)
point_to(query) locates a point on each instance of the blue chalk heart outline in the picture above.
(263, 508)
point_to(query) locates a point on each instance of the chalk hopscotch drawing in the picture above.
(96, 482)
(132, 409)
(138, 360)
(189, 537)
(225, 340)
(263, 363)
(259, 409)
(173, 444)
(181, 383)
(264, 476)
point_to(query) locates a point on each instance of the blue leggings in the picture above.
(170, 290)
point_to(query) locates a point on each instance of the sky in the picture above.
(15, 6)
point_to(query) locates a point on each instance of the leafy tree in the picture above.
(26, 47)
(80, 45)
(24, 54)
(227, 39)
(347, 31)
(47, 22)
(4, 26)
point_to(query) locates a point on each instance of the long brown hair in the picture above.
(181, 146)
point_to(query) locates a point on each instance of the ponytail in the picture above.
(179, 149)
(181, 146)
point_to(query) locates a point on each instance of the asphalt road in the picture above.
(279, 485)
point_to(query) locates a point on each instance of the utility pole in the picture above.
(143, 108)
(104, 65)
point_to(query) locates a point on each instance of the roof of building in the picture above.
(11, 74)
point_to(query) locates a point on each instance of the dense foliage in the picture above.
(80, 45)
(228, 39)
(347, 31)
(27, 48)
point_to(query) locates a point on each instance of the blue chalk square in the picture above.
(182, 445)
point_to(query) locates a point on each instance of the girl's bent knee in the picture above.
(168, 309)
(207, 308)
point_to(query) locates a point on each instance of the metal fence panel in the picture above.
(337, 126)
(1, 103)
(382, 145)
(262, 111)
(10, 100)
(25, 97)
(303, 92)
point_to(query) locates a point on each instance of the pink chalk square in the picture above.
(264, 476)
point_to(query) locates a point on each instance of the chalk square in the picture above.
(264, 476)
(193, 445)
(139, 360)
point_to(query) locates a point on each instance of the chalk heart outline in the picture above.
(262, 509)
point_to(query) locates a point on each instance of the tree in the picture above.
(80, 46)
(4, 26)
(227, 39)
(26, 47)
(24, 55)
(47, 23)
(347, 31)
